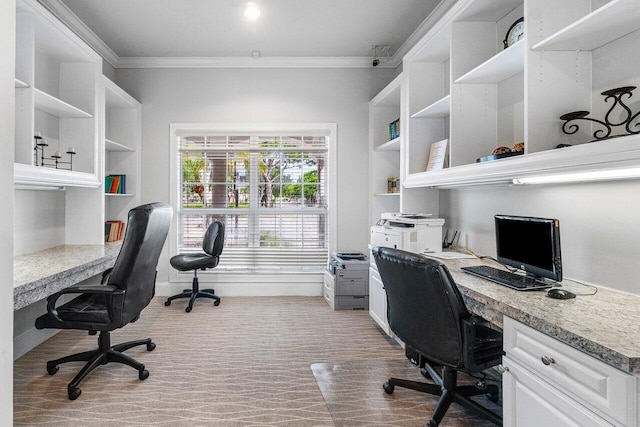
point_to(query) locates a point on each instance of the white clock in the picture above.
(515, 33)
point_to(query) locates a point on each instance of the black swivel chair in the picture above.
(426, 311)
(212, 245)
(129, 287)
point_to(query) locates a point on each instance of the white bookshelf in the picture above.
(57, 107)
(439, 109)
(498, 68)
(610, 22)
(460, 84)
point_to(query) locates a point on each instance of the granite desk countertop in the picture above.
(40, 274)
(605, 325)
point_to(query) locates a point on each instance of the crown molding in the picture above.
(71, 20)
(248, 62)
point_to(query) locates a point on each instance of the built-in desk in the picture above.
(605, 325)
(554, 351)
(40, 274)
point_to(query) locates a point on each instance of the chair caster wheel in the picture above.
(74, 393)
(151, 346)
(188, 309)
(167, 303)
(216, 303)
(144, 374)
(52, 370)
(388, 388)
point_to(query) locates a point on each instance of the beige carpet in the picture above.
(246, 362)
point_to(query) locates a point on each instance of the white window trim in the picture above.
(175, 129)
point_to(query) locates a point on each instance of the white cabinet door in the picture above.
(378, 301)
(530, 402)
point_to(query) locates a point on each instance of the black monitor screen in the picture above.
(530, 244)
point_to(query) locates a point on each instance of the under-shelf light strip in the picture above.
(603, 175)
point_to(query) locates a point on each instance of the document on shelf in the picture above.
(449, 255)
(437, 156)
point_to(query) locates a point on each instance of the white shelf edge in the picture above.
(119, 194)
(386, 194)
(440, 108)
(390, 95)
(393, 145)
(49, 177)
(20, 84)
(110, 145)
(609, 154)
(605, 24)
(499, 67)
(57, 107)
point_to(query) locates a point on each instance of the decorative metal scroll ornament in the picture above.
(626, 116)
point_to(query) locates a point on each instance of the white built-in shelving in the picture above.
(499, 67)
(56, 96)
(392, 145)
(57, 107)
(439, 109)
(613, 20)
(121, 132)
(19, 84)
(110, 145)
(461, 84)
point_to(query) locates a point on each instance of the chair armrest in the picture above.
(115, 293)
(105, 275)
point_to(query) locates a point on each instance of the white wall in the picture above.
(261, 96)
(38, 220)
(7, 123)
(600, 235)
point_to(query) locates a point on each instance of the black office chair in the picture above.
(129, 287)
(212, 245)
(426, 311)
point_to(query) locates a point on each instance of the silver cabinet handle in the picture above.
(547, 360)
(502, 369)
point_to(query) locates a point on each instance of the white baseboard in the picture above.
(30, 339)
(246, 289)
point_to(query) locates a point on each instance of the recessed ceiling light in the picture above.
(252, 12)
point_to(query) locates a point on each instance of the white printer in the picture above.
(410, 232)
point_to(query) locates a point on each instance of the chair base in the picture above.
(446, 387)
(194, 293)
(105, 353)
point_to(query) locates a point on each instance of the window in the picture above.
(269, 189)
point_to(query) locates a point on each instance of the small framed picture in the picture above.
(437, 155)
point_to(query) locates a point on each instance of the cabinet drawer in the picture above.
(600, 387)
(351, 287)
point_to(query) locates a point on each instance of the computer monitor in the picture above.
(530, 244)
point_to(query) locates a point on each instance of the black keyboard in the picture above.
(506, 278)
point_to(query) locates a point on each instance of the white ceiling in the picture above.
(218, 28)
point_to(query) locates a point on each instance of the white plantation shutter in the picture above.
(270, 191)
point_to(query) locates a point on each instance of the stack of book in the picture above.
(115, 184)
(113, 231)
(394, 129)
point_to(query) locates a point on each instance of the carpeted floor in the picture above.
(246, 362)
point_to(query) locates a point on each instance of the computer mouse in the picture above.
(560, 293)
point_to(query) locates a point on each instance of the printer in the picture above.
(346, 281)
(410, 232)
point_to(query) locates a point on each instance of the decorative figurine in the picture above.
(609, 123)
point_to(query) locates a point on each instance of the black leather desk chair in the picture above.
(104, 308)
(426, 311)
(212, 245)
